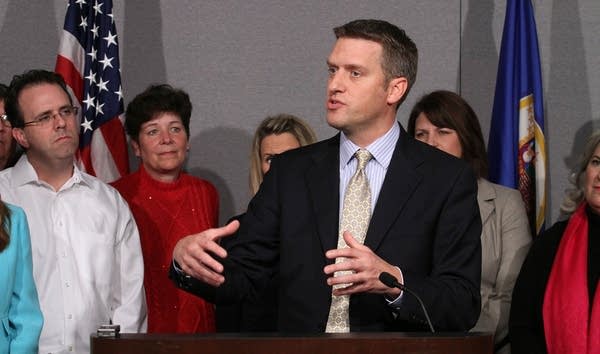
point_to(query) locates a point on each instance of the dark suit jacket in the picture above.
(426, 221)
(251, 315)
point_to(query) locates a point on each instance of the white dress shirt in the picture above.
(87, 259)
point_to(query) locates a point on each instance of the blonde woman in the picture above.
(275, 135)
(556, 301)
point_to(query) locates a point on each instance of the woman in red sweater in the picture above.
(167, 204)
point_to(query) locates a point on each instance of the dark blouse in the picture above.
(526, 327)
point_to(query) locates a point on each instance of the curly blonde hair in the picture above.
(575, 195)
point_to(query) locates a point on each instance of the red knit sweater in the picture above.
(164, 213)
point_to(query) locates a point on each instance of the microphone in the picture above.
(391, 282)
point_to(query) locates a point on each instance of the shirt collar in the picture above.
(380, 148)
(23, 173)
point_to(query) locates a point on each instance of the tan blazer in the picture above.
(505, 240)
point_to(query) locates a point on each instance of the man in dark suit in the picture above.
(424, 221)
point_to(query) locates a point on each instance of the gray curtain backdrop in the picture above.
(243, 60)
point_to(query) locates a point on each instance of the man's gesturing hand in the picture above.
(195, 253)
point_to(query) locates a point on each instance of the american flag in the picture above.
(88, 59)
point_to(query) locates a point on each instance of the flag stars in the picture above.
(97, 8)
(91, 76)
(89, 101)
(80, 3)
(92, 54)
(94, 30)
(110, 39)
(83, 23)
(102, 85)
(106, 62)
(99, 106)
(87, 125)
(119, 93)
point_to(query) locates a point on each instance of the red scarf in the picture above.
(568, 327)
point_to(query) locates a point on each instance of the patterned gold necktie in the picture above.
(356, 215)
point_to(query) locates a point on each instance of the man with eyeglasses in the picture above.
(87, 259)
(9, 154)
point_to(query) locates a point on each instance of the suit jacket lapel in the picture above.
(323, 185)
(400, 182)
(485, 196)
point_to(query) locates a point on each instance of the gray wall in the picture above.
(243, 60)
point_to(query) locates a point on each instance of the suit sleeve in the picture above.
(516, 239)
(24, 313)
(254, 250)
(450, 291)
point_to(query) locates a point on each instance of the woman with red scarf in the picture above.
(556, 301)
(167, 204)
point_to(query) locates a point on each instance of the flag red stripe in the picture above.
(114, 136)
(85, 156)
(71, 75)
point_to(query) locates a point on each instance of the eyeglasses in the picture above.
(43, 119)
(5, 121)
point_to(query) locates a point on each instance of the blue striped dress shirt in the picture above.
(381, 149)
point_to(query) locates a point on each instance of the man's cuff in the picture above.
(178, 269)
(397, 302)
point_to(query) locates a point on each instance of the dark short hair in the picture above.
(27, 79)
(154, 100)
(400, 54)
(3, 92)
(446, 109)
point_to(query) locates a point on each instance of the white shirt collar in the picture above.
(24, 173)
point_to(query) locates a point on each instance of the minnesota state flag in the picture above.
(516, 147)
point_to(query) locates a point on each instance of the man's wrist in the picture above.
(178, 269)
(394, 296)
